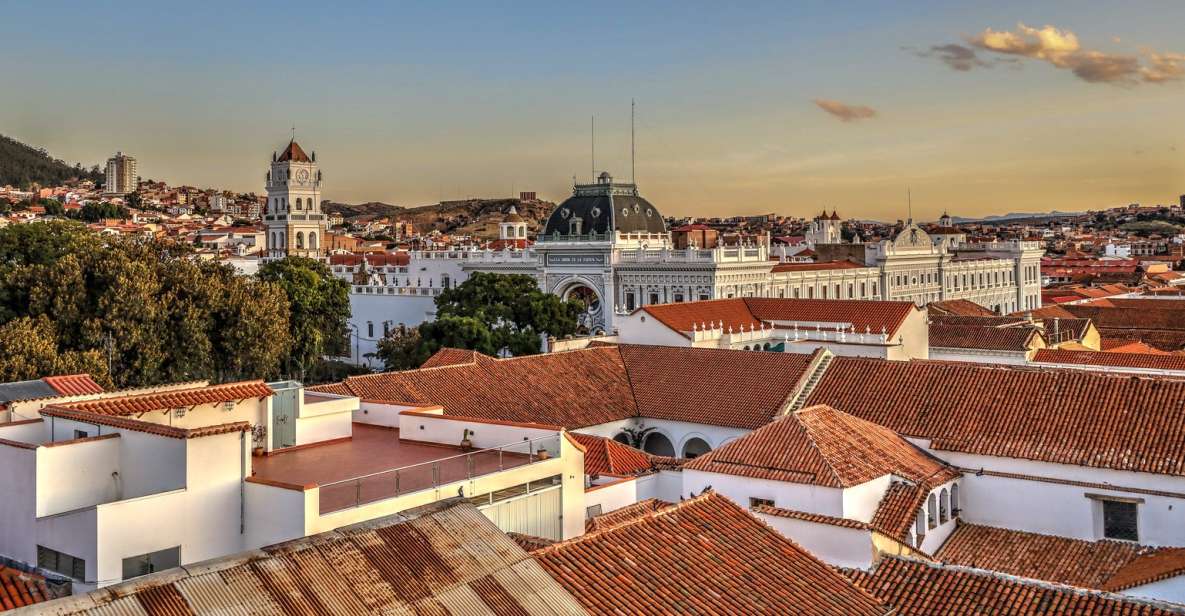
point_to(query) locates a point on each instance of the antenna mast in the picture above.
(633, 152)
(909, 201)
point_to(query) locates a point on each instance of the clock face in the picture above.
(302, 175)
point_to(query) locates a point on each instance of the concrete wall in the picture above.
(78, 474)
(382, 414)
(642, 328)
(1062, 509)
(18, 508)
(317, 428)
(663, 485)
(273, 514)
(981, 357)
(861, 501)
(149, 464)
(797, 496)
(32, 432)
(612, 495)
(835, 545)
(449, 430)
(71, 533)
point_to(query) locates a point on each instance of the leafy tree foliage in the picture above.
(320, 308)
(147, 308)
(28, 351)
(95, 212)
(489, 313)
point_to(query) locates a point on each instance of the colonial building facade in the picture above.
(294, 221)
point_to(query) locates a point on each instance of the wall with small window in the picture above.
(1067, 501)
(797, 496)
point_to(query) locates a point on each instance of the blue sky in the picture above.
(409, 104)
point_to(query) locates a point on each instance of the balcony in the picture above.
(376, 465)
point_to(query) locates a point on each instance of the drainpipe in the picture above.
(242, 485)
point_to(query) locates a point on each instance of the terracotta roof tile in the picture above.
(815, 267)
(625, 514)
(1065, 416)
(1159, 361)
(293, 152)
(820, 445)
(752, 311)
(899, 508)
(605, 456)
(20, 589)
(159, 401)
(529, 543)
(449, 356)
(816, 518)
(917, 588)
(703, 556)
(959, 307)
(1104, 565)
(73, 384)
(127, 423)
(988, 338)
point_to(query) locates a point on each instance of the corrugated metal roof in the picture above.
(444, 558)
(26, 390)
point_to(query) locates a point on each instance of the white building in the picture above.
(121, 175)
(101, 487)
(609, 247)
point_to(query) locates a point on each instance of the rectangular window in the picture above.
(58, 562)
(757, 502)
(703, 297)
(678, 297)
(81, 434)
(654, 298)
(1119, 520)
(629, 302)
(144, 564)
(592, 512)
(369, 328)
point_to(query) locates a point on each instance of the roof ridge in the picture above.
(701, 497)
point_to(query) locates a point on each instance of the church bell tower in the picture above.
(294, 222)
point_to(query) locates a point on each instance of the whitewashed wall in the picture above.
(835, 545)
(797, 496)
(18, 508)
(861, 501)
(76, 475)
(612, 495)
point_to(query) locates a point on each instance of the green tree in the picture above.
(147, 307)
(28, 351)
(489, 313)
(319, 305)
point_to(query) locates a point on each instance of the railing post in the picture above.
(396, 482)
(357, 492)
(469, 466)
(500, 458)
(435, 474)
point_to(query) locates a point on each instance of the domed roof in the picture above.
(602, 208)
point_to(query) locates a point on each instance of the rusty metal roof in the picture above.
(443, 558)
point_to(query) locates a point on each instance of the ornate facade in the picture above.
(294, 222)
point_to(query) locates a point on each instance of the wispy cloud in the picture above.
(1062, 49)
(845, 112)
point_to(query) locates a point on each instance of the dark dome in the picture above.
(604, 207)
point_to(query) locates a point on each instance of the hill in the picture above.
(23, 165)
(466, 217)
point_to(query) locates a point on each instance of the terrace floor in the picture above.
(375, 464)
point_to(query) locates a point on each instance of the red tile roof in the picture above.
(625, 514)
(20, 589)
(449, 356)
(703, 556)
(1017, 339)
(1159, 361)
(899, 508)
(599, 384)
(959, 307)
(917, 588)
(73, 384)
(816, 518)
(605, 456)
(752, 311)
(1064, 416)
(1116, 345)
(821, 446)
(164, 400)
(1105, 565)
(126, 423)
(293, 153)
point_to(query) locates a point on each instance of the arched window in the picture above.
(300, 240)
(658, 444)
(944, 507)
(932, 511)
(695, 446)
(954, 500)
(622, 437)
(298, 203)
(312, 240)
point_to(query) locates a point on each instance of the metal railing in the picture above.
(391, 483)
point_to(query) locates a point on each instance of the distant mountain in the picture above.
(23, 165)
(1017, 216)
(370, 208)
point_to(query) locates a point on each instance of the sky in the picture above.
(971, 108)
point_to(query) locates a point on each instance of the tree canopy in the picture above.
(489, 313)
(320, 308)
(148, 309)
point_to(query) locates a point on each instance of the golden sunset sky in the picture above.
(778, 107)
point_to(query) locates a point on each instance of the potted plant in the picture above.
(543, 454)
(466, 442)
